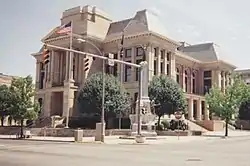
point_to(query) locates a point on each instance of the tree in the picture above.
(244, 111)
(167, 96)
(22, 107)
(89, 99)
(5, 99)
(226, 105)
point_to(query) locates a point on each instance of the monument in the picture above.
(143, 107)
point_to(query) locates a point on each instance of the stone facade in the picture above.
(195, 67)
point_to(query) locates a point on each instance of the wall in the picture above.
(58, 132)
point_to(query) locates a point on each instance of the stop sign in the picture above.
(178, 114)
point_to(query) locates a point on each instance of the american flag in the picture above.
(66, 28)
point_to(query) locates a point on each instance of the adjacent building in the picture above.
(195, 67)
(5, 79)
(245, 75)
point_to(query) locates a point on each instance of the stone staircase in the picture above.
(192, 126)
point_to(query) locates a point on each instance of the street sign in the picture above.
(110, 60)
(178, 115)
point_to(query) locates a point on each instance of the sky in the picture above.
(25, 22)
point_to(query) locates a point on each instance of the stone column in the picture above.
(206, 111)
(61, 67)
(37, 71)
(80, 70)
(183, 79)
(190, 109)
(133, 60)
(158, 62)
(224, 82)
(67, 67)
(191, 82)
(199, 110)
(172, 66)
(52, 64)
(165, 62)
(71, 57)
(47, 104)
(150, 59)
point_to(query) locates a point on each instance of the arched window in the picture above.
(193, 82)
(186, 80)
(178, 75)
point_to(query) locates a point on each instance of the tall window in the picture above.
(162, 68)
(128, 53)
(139, 51)
(137, 74)
(207, 81)
(162, 54)
(178, 75)
(186, 81)
(128, 73)
(155, 62)
(74, 67)
(155, 52)
(193, 82)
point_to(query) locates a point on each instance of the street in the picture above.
(228, 152)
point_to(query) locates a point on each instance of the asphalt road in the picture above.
(220, 152)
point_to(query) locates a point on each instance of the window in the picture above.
(207, 85)
(128, 52)
(128, 74)
(162, 68)
(139, 51)
(186, 81)
(193, 83)
(168, 69)
(168, 56)
(155, 67)
(177, 75)
(74, 67)
(137, 74)
(207, 74)
(162, 54)
(155, 52)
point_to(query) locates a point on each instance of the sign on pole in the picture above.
(110, 60)
(178, 115)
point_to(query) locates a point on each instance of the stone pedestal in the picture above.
(78, 134)
(99, 133)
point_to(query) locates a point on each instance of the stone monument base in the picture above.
(146, 131)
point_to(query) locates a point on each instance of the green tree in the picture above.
(5, 100)
(22, 105)
(89, 98)
(226, 105)
(167, 95)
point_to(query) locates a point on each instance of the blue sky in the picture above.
(25, 22)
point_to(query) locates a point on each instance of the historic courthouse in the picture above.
(195, 67)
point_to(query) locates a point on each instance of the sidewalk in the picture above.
(115, 139)
(158, 140)
(231, 133)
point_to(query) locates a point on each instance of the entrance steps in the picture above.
(192, 126)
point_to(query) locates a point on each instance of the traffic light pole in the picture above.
(143, 66)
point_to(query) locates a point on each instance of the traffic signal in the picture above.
(86, 64)
(45, 56)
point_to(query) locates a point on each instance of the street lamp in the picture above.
(103, 86)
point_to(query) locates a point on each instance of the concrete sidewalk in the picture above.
(158, 140)
(115, 139)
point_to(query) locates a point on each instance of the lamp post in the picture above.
(103, 87)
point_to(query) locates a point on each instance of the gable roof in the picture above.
(143, 21)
